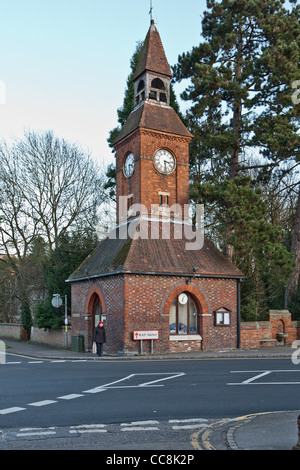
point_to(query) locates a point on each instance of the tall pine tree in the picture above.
(240, 91)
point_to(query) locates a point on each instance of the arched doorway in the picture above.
(95, 312)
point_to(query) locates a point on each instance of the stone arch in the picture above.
(198, 295)
(95, 295)
(94, 291)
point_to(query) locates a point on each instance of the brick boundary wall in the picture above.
(55, 338)
(278, 330)
(12, 331)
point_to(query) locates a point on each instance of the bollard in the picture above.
(297, 446)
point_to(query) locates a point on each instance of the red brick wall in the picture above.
(112, 291)
(255, 335)
(142, 302)
(146, 182)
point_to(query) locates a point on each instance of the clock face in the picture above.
(183, 298)
(164, 161)
(129, 165)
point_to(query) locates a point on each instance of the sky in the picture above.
(64, 63)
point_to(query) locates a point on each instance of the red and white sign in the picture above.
(140, 335)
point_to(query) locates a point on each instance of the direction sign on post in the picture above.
(145, 335)
(57, 301)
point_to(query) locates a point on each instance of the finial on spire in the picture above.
(150, 12)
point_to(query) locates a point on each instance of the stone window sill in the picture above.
(185, 338)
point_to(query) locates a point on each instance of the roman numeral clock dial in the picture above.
(164, 161)
(129, 165)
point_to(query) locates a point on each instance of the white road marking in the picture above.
(190, 426)
(140, 426)
(178, 424)
(248, 381)
(152, 383)
(42, 403)
(38, 433)
(137, 428)
(95, 390)
(266, 383)
(251, 381)
(139, 423)
(87, 426)
(71, 396)
(172, 376)
(35, 429)
(101, 388)
(14, 409)
(190, 420)
(82, 431)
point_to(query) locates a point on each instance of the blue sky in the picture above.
(64, 63)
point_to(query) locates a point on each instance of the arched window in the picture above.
(158, 83)
(183, 318)
(141, 85)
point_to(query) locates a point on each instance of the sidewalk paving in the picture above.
(41, 350)
(262, 431)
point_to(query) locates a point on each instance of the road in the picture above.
(155, 404)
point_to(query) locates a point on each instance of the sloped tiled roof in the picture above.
(155, 257)
(154, 117)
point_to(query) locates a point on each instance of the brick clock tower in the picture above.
(146, 276)
(152, 149)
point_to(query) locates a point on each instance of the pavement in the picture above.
(260, 431)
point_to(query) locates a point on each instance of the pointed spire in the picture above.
(153, 57)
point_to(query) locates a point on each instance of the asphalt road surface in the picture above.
(53, 404)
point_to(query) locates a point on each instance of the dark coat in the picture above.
(99, 336)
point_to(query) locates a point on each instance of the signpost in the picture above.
(57, 302)
(148, 335)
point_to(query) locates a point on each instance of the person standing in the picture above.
(100, 337)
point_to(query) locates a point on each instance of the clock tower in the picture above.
(185, 295)
(152, 148)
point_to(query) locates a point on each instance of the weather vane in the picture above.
(151, 10)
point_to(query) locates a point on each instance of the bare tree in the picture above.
(61, 184)
(48, 187)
